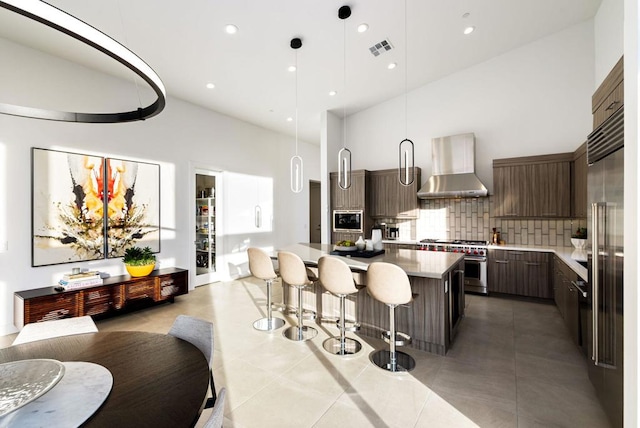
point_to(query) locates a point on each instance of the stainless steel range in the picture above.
(475, 260)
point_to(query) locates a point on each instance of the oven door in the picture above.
(475, 275)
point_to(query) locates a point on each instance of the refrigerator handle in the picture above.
(594, 281)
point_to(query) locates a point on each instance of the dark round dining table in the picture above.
(158, 380)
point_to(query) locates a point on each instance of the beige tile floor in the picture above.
(512, 365)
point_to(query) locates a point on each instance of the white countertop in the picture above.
(425, 264)
(569, 255)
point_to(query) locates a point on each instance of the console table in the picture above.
(44, 304)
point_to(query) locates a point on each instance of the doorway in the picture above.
(315, 213)
(206, 220)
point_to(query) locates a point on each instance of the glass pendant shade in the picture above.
(405, 162)
(296, 174)
(344, 168)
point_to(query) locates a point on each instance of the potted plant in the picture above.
(139, 261)
(579, 238)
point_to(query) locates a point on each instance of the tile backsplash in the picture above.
(473, 219)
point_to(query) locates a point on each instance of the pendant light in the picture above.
(57, 19)
(406, 147)
(296, 165)
(344, 155)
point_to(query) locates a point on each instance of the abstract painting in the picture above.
(132, 205)
(88, 207)
(67, 207)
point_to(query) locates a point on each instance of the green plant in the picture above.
(136, 256)
(581, 233)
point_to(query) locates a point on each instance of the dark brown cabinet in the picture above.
(390, 199)
(533, 187)
(522, 273)
(353, 198)
(43, 304)
(609, 96)
(579, 182)
(567, 297)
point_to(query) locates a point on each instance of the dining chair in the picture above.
(217, 415)
(199, 333)
(55, 328)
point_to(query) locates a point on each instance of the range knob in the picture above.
(455, 250)
(475, 252)
(468, 251)
(482, 252)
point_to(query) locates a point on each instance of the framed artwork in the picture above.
(67, 219)
(132, 197)
(90, 207)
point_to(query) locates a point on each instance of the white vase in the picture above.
(578, 243)
(360, 244)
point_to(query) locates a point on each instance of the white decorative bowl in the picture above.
(578, 243)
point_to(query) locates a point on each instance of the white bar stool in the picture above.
(294, 272)
(335, 277)
(390, 285)
(261, 267)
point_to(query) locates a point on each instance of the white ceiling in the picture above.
(185, 43)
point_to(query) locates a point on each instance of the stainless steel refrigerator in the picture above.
(605, 156)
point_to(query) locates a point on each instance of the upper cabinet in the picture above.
(390, 199)
(609, 97)
(353, 198)
(533, 187)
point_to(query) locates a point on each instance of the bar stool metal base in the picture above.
(333, 346)
(268, 324)
(382, 359)
(300, 334)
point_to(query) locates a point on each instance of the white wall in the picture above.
(532, 100)
(182, 135)
(609, 37)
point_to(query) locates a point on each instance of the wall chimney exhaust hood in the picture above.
(453, 165)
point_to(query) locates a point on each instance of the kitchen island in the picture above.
(431, 319)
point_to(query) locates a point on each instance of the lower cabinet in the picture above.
(522, 273)
(44, 304)
(567, 298)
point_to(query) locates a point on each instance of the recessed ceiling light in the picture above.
(231, 29)
(210, 86)
(332, 93)
(469, 30)
(392, 65)
(289, 119)
(363, 27)
(292, 68)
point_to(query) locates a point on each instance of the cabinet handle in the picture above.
(460, 271)
(612, 105)
(502, 261)
(550, 214)
(578, 285)
(258, 219)
(531, 264)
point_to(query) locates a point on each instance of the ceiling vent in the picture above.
(381, 47)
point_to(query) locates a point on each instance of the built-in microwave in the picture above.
(347, 221)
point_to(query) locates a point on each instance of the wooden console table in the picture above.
(44, 304)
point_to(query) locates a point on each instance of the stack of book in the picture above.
(72, 281)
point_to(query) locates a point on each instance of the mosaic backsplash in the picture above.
(473, 219)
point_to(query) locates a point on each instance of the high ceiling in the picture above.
(186, 44)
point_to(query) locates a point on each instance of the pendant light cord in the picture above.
(296, 65)
(126, 43)
(344, 83)
(406, 67)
